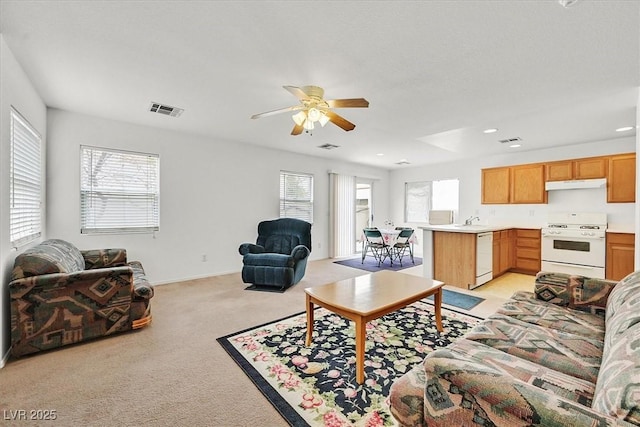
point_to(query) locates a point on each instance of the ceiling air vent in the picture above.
(510, 140)
(328, 146)
(403, 162)
(165, 110)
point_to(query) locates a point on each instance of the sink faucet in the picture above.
(469, 220)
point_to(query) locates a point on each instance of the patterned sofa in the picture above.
(568, 355)
(60, 295)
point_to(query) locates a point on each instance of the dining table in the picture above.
(390, 236)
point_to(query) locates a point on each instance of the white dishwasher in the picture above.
(484, 258)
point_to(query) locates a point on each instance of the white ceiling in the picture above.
(436, 73)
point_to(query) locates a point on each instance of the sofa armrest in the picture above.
(300, 252)
(104, 258)
(573, 291)
(250, 248)
(142, 289)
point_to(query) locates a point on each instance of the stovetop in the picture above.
(577, 220)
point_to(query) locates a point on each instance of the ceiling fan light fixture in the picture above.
(308, 125)
(313, 114)
(299, 118)
(324, 119)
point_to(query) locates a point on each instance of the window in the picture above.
(296, 196)
(421, 197)
(119, 191)
(25, 181)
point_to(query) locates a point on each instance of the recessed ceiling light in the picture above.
(491, 130)
(380, 154)
(624, 129)
(514, 146)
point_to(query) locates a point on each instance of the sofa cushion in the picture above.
(571, 354)
(525, 307)
(50, 256)
(462, 390)
(269, 260)
(281, 243)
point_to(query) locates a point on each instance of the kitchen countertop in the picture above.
(621, 229)
(474, 228)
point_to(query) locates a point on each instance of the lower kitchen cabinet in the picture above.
(454, 261)
(502, 252)
(620, 255)
(527, 251)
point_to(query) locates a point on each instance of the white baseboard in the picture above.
(5, 358)
(203, 276)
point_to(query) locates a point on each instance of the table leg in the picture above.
(309, 320)
(438, 303)
(361, 336)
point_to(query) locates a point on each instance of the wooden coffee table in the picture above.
(369, 297)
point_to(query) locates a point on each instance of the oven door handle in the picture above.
(586, 267)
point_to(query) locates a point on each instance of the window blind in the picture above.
(119, 191)
(417, 201)
(25, 178)
(296, 196)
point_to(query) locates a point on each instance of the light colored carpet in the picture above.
(173, 372)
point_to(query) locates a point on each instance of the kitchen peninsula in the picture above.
(468, 256)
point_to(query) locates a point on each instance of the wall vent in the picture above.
(328, 146)
(510, 140)
(165, 110)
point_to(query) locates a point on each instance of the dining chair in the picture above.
(375, 243)
(403, 244)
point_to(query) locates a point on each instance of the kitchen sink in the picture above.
(470, 226)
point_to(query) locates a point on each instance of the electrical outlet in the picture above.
(204, 257)
(319, 245)
(532, 212)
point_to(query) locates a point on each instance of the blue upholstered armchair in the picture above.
(279, 257)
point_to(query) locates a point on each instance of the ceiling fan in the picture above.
(313, 108)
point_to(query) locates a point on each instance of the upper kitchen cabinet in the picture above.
(495, 185)
(514, 184)
(587, 168)
(527, 184)
(621, 179)
(591, 168)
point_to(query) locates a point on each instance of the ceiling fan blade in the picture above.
(297, 130)
(340, 121)
(274, 112)
(348, 103)
(297, 92)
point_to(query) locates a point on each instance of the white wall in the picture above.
(17, 91)
(637, 220)
(621, 216)
(213, 194)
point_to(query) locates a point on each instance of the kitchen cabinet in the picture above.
(515, 184)
(495, 185)
(527, 251)
(587, 168)
(620, 255)
(527, 184)
(621, 179)
(559, 171)
(591, 168)
(502, 252)
(454, 258)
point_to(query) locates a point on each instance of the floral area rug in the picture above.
(316, 385)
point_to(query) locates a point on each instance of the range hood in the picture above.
(575, 184)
